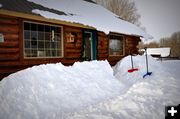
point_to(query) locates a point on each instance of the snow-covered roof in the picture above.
(87, 13)
(84, 12)
(163, 52)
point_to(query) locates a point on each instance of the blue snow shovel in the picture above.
(147, 73)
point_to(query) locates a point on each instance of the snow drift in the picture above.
(90, 90)
(142, 98)
(53, 90)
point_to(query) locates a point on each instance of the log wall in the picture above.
(130, 45)
(102, 46)
(73, 50)
(11, 50)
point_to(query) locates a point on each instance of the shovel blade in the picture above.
(132, 70)
(147, 74)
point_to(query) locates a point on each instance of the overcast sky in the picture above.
(161, 18)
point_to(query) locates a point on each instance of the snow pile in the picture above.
(143, 99)
(53, 90)
(90, 14)
(89, 90)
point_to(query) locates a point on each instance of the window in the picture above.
(116, 45)
(42, 41)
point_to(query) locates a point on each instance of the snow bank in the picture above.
(53, 90)
(89, 90)
(143, 98)
(90, 14)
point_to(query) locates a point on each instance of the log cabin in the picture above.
(29, 38)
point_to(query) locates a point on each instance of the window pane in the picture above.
(53, 28)
(48, 53)
(34, 53)
(34, 35)
(53, 45)
(41, 53)
(41, 44)
(27, 44)
(26, 26)
(47, 28)
(47, 45)
(27, 53)
(115, 44)
(34, 27)
(57, 30)
(53, 52)
(47, 36)
(26, 34)
(57, 37)
(34, 39)
(40, 35)
(41, 28)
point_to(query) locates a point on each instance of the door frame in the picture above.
(93, 42)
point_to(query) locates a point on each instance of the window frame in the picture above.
(44, 57)
(123, 45)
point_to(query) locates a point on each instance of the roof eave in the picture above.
(40, 18)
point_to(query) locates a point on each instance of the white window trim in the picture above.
(48, 57)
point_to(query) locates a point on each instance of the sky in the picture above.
(161, 18)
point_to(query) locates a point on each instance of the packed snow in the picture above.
(173, 67)
(144, 98)
(91, 90)
(83, 12)
(51, 90)
(163, 52)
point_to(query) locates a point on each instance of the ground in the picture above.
(88, 91)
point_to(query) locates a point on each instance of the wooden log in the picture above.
(9, 70)
(74, 55)
(103, 55)
(9, 57)
(70, 61)
(12, 21)
(102, 48)
(9, 50)
(114, 58)
(68, 45)
(9, 29)
(73, 29)
(102, 51)
(9, 44)
(101, 34)
(11, 37)
(73, 51)
(102, 58)
(9, 63)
